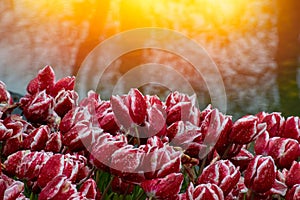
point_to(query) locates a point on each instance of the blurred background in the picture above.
(254, 43)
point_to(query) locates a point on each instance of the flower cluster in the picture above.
(137, 146)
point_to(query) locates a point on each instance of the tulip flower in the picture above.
(181, 107)
(222, 173)
(162, 188)
(293, 175)
(260, 174)
(274, 122)
(293, 193)
(291, 128)
(246, 129)
(284, 151)
(203, 191)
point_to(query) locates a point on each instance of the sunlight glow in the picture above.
(190, 17)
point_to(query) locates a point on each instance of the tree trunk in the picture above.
(96, 29)
(287, 56)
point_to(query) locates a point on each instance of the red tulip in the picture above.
(293, 193)
(37, 139)
(155, 123)
(89, 189)
(213, 127)
(106, 118)
(58, 188)
(162, 188)
(5, 97)
(203, 191)
(293, 175)
(158, 159)
(274, 122)
(60, 164)
(246, 130)
(46, 79)
(11, 189)
(184, 134)
(261, 144)
(260, 174)
(284, 151)
(242, 159)
(81, 136)
(291, 128)
(13, 161)
(137, 106)
(43, 81)
(91, 103)
(54, 143)
(125, 160)
(38, 108)
(103, 148)
(74, 116)
(31, 164)
(10, 126)
(65, 101)
(13, 144)
(121, 112)
(181, 107)
(222, 173)
(66, 83)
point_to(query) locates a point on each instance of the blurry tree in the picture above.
(287, 57)
(96, 13)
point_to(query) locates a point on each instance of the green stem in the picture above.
(202, 165)
(191, 174)
(250, 195)
(224, 156)
(107, 188)
(141, 194)
(137, 135)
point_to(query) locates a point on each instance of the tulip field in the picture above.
(137, 146)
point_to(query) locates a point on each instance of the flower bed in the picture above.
(138, 147)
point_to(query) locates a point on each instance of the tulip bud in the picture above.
(89, 189)
(11, 189)
(37, 139)
(162, 188)
(203, 191)
(66, 83)
(58, 188)
(274, 122)
(106, 118)
(65, 101)
(284, 151)
(246, 129)
(261, 144)
(293, 175)
(121, 111)
(37, 108)
(291, 128)
(242, 159)
(31, 164)
(181, 107)
(222, 173)
(293, 193)
(137, 106)
(46, 79)
(260, 174)
(54, 143)
(5, 96)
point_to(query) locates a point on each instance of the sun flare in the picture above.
(162, 13)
